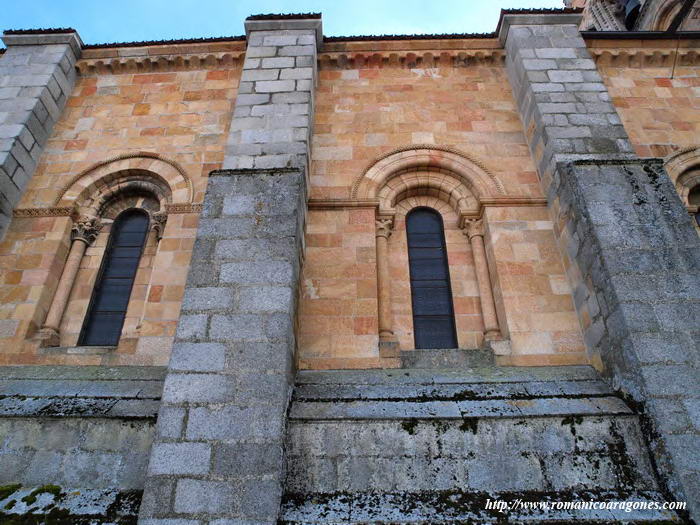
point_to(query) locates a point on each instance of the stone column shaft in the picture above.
(475, 233)
(84, 232)
(65, 285)
(386, 331)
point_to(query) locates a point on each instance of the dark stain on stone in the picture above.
(469, 424)
(409, 426)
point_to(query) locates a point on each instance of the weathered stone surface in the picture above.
(223, 400)
(377, 462)
(30, 504)
(36, 78)
(625, 233)
(93, 453)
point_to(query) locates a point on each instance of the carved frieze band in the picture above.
(67, 211)
(56, 211)
(183, 208)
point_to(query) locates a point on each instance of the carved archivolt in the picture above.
(684, 169)
(146, 167)
(431, 182)
(657, 16)
(471, 174)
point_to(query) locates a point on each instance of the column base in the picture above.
(48, 337)
(389, 348)
(499, 347)
(493, 335)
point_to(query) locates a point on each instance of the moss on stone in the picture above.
(30, 498)
(7, 490)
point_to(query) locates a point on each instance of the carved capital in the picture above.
(158, 220)
(86, 228)
(384, 226)
(473, 228)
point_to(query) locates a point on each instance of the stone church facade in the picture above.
(307, 279)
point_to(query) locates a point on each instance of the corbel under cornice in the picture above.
(646, 57)
(151, 63)
(411, 60)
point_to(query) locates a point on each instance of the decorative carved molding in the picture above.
(329, 204)
(683, 167)
(86, 229)
(473, 228)
(644, 57)
(470, 170)
(158, 220)
(183, 208)
(411, 60)
(151, 63)
(125, 156)
(498, 202)
(55, 211)
(385, 226)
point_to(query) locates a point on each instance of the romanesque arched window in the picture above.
(694, 202)
(431, 295)
(110, 297)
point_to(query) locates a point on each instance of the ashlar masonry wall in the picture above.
(175, 117)
(381, 96)
(218, 451)
(633, 254)
(36, 79)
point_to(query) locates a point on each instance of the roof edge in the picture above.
(40, 31)
(167, 42)
(281, 16)
(437, 36)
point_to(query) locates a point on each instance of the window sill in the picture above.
(77, 350)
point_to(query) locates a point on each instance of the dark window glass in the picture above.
(110, 298)
(433, 316)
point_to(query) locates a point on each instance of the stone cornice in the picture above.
(533, 18)
(644, 57)
(163, 62)
(288, 23)
(37, 38)
(410, 59)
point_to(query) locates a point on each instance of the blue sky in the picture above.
(102, 21)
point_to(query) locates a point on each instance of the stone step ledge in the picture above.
(83, 407)
(463, 507)
(55, 504)
(135, 389)
(420, 376)
(451, 391)
(489, 408)
(89, 372)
